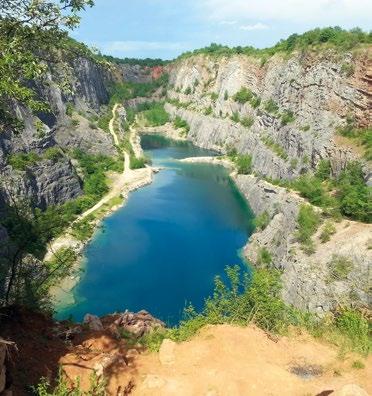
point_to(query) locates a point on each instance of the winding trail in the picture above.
(121, 185)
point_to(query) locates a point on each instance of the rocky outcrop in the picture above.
(44, 184)
(135, 73)
(85, 136)
(90, 85)
(307, 279)
(138, 324)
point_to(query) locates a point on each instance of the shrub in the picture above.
(356, 328)
(22, 161)
(308, 221)
(264, 257)
(208, 111)
(305, 128)
(240, 301)
(63, 388)
(226, 95)
(244, 95)
(278, 150)
(92, 125)
(75, 123)
(155, 114)
(287, 117)
(214, 96)
(357, 364)
(311, 187)
(354, 194)
(94, 168)
(138, 163)
(244, 164)
(347, 69)
(180, 123)
(40, 129)
(235, 117)
(323, 171)
(69, 109)
(83, 230)
(271, 107)
(294, 163)
(53, 154)
(262, 221)
(328, 230)
(339, 267)
(247, 121)
(255, 102)
(188, 91)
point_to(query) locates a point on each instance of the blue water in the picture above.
(163, 249)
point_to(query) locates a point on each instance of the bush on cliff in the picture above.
(243, 163)
(154, 113)
(308, 221)
(255, 298)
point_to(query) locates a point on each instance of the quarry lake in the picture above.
(163, 249)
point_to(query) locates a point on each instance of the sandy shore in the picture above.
(210, 160)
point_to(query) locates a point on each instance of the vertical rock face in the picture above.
(90, 83)
(135, 73)
(49, 182)
(313, 88)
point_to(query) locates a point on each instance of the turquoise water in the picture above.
(163, 249)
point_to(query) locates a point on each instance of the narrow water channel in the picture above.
(163, 249)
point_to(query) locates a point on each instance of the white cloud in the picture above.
(256, 26)
(313, 11)
(128, 46)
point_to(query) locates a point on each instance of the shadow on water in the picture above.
(163, 249)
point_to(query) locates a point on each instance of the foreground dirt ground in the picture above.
(219, 361)
(226, 360)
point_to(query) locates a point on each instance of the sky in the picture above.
(166, 28)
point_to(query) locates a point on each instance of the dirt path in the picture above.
(121, 185)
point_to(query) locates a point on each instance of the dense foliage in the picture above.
(147, 62)
(154, 113)
(346, 195)
(308, 221)
(119, 93)
(334, 37)
(179, 123)
(362, 137)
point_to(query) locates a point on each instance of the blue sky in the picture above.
(166, 28)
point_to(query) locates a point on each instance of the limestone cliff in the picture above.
(314, 88)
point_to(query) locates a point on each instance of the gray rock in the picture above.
(94, 322)
(139, 323)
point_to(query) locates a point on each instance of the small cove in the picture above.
(163, 249)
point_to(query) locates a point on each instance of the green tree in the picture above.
(31, 32)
